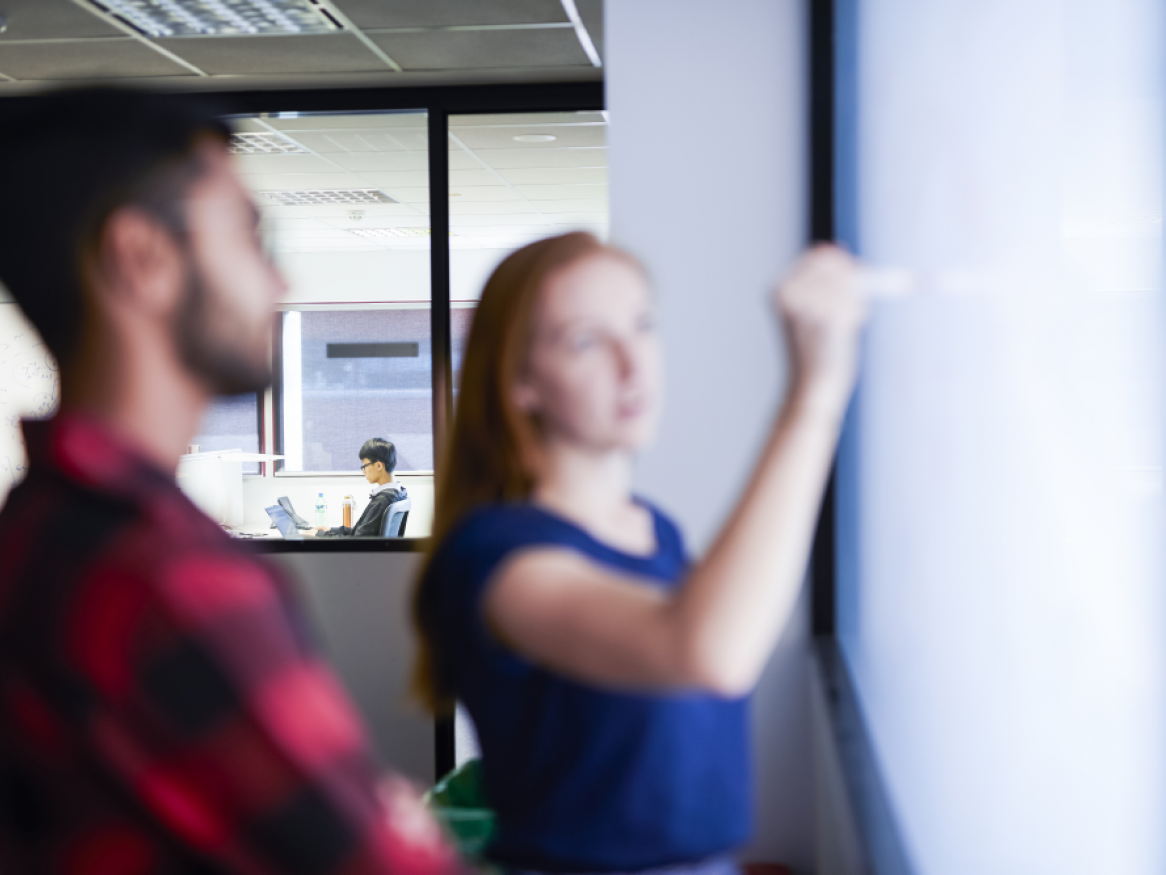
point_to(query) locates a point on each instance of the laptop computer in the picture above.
(284, 523)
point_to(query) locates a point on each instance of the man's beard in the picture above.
(211, 345)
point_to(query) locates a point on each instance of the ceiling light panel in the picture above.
(264, 144)
(194, 18)
(327, 197)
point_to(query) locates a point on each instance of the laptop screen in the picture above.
(283, 522)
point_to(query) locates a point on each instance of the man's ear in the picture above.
(140, 263)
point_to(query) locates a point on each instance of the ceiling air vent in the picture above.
(190, 18)
(327, 198)
(263, 144)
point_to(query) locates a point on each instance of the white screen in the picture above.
(1000, 507)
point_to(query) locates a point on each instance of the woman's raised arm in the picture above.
(717, 630)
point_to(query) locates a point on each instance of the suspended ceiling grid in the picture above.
(513, 178)
(384, 42)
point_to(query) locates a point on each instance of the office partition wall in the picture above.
(999, 569)
(387, 210)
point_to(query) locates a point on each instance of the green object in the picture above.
(459, 801)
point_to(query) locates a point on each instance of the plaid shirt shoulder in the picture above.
(161, 710)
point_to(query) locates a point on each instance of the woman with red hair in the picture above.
(606, 674)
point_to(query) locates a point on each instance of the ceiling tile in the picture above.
(596, 222)
(486, 221)
(573, 206)
(339, 212)
(407, 195)
(364, 142)
(398, 178)
(473, 177)
(525, 118)
(562, 192)
(495, 229)
(483, 49)
(556, 176)
(323, 53)
(283, 164)
(483, 193)
(501, 159)
(248, 126)
(90, 59)
(362, 162)
(52, 19)
(329, 122)
(281, 225)
(504, 137)
(505, 208)
(432, 13)
(303, 181)
(462, 160)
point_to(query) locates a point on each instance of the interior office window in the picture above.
(515, 178)
(350, 375)
(519, 177)
(232, 423)
(345, 204)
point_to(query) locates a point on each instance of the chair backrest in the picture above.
(396, 516)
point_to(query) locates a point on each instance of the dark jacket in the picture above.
(372, 522)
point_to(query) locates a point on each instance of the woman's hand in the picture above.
(822, 311)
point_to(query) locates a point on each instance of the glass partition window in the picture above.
(232, 423)
(519, 177)
(345, 203)
(515, 178)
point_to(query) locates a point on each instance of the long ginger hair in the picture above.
(493, 450)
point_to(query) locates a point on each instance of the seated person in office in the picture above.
(555, 593)
(161, 708)
(378, 460)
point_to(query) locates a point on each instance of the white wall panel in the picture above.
(708, 118)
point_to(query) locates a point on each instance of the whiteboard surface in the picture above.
(29, 387)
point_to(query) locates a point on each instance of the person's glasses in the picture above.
(365, 465)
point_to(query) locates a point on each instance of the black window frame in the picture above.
(439, 102)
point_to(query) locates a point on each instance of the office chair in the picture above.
(395, 518)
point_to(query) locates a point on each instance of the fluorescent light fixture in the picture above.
(581, 33)
(535, 138)
(191, 18)
(327, 197)
(263, 144)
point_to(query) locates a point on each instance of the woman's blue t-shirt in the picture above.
(582, 778)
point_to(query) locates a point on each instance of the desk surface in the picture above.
(269, 540)
(254, 531)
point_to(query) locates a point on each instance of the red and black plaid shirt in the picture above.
(160, 710)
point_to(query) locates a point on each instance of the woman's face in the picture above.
(593, 375)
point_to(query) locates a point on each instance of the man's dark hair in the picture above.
(68, 161)
(380, 450)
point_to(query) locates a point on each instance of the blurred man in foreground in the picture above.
(160, 709)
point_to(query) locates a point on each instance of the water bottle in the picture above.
(321, 511)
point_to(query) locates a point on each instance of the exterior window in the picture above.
(232, 423)
(351, 375)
